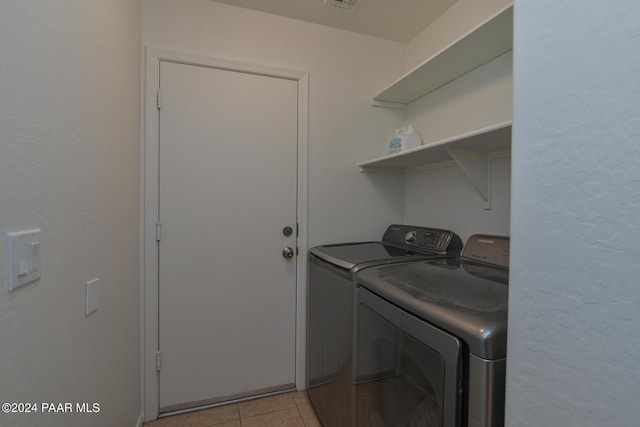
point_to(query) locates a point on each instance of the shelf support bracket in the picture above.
(476, 166)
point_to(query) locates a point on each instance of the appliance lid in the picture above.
(350, 255)
(398, 242)
(448, 294)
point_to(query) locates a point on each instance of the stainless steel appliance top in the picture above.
(399, 243)
(463, 296)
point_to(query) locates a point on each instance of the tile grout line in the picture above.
(299, 413)
(297, 402)
(304, 421)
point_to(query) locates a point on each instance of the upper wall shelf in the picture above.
(483, 43)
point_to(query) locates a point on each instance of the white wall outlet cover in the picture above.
(92, 292)
(23, 258)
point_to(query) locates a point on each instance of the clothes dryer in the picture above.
(431, 339)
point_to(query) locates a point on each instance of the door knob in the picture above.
(287, 252)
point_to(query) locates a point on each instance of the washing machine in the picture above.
(431, 339)
(331, 309)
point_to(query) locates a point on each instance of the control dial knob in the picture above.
(410, 237)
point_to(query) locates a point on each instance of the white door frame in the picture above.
(149, 212)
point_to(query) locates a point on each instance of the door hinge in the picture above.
(158, 361)
(158, 99)
(297, 230)
(158, 231)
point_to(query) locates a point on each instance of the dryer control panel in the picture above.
(488, 249)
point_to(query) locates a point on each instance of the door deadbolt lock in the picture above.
(287, 252)
(287, 231)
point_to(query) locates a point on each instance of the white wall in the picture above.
(345, 70)
(478, 99)
(442, 196)
(574, 326)
(69, 165)
(458, 20)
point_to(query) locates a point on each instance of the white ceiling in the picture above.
(399, 20)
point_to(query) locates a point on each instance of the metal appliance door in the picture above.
(408, 372)
(331, 296)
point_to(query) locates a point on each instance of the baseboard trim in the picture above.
(140, 420)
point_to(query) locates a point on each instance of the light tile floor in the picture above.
(284, 410)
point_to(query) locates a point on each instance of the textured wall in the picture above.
(69, 164)
(574, 326)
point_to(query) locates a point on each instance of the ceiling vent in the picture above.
(348, 5)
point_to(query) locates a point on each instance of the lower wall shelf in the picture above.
(470, 151)
(492, 138)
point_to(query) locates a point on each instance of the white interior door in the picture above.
(227, 295)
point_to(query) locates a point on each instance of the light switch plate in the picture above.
(92, 293)
(23, 258)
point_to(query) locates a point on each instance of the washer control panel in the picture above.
(422, 238)
(410, 237)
